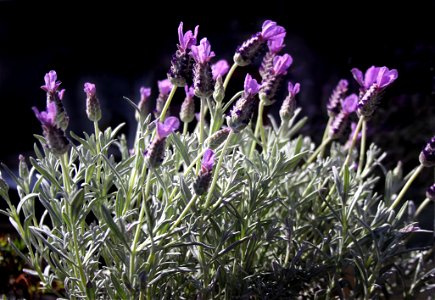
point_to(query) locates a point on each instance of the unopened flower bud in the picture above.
(23, 169)
(203, 180)
(427, 155)
(430, 192)
(187, 111)
(217, 138)
(219, 90)
(93, 109)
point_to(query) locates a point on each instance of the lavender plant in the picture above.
(244, 210)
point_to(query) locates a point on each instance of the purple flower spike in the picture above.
(276, 45)
(281, 64)
(207, 162)
(190, 92)
(293, 89)
(165, 86)
(187, 39)
(202, 53)
(47, 118)
(251, 86)
(350, 104)
(271, 31)
(145, 92)
(51, 83)
(220, 68)
(90, 89)
(381, 76)
(166, 128)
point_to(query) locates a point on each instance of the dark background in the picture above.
(122, 46)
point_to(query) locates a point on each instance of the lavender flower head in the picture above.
(272, 80)
(186, 40)
(54, 95)
(93, 109)
(202, 73)
(47, 118)
(375, 80)
(207, 162)
(256, 45)
(180, 72)
(427, 155)
(337, 96)
(51, 83)
(340, 122)
(202, 182)
(145, 93)
(220, 68)
(202, 53)
(54, 135)
(167, 127)
(241, 113)
(155, 152)
(289, 104)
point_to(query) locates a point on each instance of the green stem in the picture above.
(229, 75)
(326, 134)
(65, 173)
(167, 103)
(362, 148)
(138, 229)
(234, 98)
(318, 150)
(258, 127)
(406, 186)
(422, 206)
(354, 139)
(97, 143)
(216, 171)
(79, 262)
(184, 212)
(185, 128)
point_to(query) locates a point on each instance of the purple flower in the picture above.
(90, 89)
(276, 45)
(293, 90)
(51, 83)
(61, 93)
(167, 127)
(220, 68)
(187, 39)
(47, 118)
(251, 86)
(381, 76)
(281, 64)
(202, 53)
(271, 31)
(350, 104)
(165, 86)
(207, 162)
(145, 93)
(190, 92)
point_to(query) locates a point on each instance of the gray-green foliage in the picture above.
(275, 228)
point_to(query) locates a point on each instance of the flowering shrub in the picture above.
(235, 209)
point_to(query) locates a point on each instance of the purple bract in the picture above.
(251, 86)
(167, 127)
(165, 86)
(90, 89)
(47, 118)
(281, 63)
(220, 68)
(381, 76)
(51, 83)
(202, 53)
(186, 40)
(207, 162)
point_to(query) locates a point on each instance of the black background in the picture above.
(121, 46)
